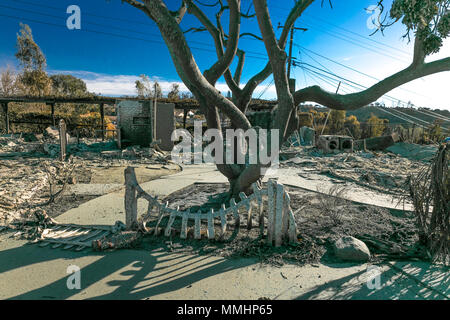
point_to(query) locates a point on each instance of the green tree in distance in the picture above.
(174, 92)
(68, 85)
(33, 79)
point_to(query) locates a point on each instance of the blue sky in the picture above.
(117, 43)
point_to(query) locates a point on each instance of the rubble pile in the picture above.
(26, 160)
(20, 182)
(384, 172)
(47, 145)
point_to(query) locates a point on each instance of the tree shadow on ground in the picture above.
(140, 274)
(143, 274)
(419, 281)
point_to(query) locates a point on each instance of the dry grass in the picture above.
(332, 202)
(430, 193)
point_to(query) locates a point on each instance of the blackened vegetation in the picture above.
(430, 192)
(389, 235)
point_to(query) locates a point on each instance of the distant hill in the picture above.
(395, 115)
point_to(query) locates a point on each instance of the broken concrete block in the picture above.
(351, 249)
(52, 132)
(111, 154)
(129, 153)
(308, 136)
(332, 144)
(379, 143)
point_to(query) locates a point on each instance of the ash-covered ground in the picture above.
(31, 173)
(32, 178)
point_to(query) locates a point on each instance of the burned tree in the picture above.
(427, 20)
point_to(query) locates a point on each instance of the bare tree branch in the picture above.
(251, 35)
(185, 64)
(217, 70)
(357, 100)
(240, 66)
(206, 22)
(195, 29)
(179, 14)
(136, 4)
(244, 96)
(206, 4)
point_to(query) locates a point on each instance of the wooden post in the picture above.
(210, 231)
(52, 105)
(281, 226)
(197, 228)
(62, 140)
(119, 137)
(168, 231)
(130, 198)
(271, 211)
(279, 206)
(183, 234)
(223, 221)
(155, 103)
(185, 112)
(102, 119)
(5, 111)
(257, 192)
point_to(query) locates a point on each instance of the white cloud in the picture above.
(119, 85)
(431, 91)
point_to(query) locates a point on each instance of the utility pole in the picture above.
(291, 39)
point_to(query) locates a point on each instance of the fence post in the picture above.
(102, 119)
(185, 112)
(5, 111)
(130, 198)
(119, 138)
(62, 139)
(52, 106)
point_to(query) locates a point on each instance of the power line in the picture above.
(350, 82)
(92, 23)
(149, 24)
(404, 119)
(362, 36)
(433, 114)
(112, 34)
(410, 121)
(320, 64)
(348, 31)
(404, 115)
(85, 13)
(321, 78)
(353, 69)
(336, 62)
(266, 88)
(161, 42)
(118, 28)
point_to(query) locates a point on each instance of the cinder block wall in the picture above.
(261, 119)
(134, 119)
(165, 124)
